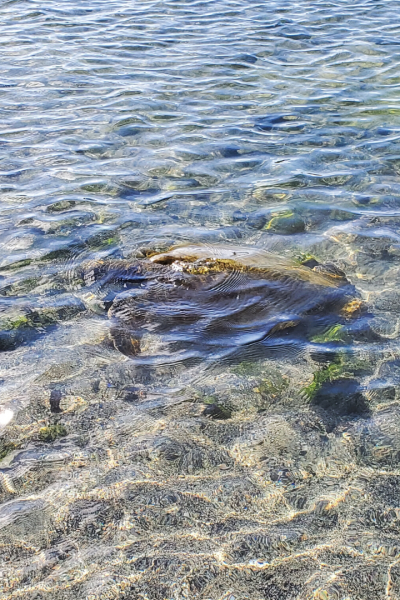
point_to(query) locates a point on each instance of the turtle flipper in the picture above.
(124, 340)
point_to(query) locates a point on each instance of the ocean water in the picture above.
(199, 300)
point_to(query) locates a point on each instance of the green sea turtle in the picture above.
(209, 302)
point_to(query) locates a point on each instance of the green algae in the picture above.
(59, 254)
(52, 432)
(60, 206)
(215, 409)
(342, 215)
(271, 382)
(273, 387)
(336, 333)
(15, 322)
(342, 366)
(23, 287)
(21, 321)
(102, 240)
(97, 188)
(17, 265)
(247, 368)
(209, 399)
(304, 257)
(41, 317)
(329, 373)
(6, 448)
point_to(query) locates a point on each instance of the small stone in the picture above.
(215, 411)
(257, 221)
(55, 399)
(310, 263)
(133, 393)
(286, 223)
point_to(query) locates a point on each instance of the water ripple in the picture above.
(178, 433)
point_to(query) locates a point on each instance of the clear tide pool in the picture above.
(166, 434)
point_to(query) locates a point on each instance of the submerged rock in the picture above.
(342, 397)
(286, 223)
(216, 411)
(25, 327)
(55, 399)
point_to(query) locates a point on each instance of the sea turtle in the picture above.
(209, 302)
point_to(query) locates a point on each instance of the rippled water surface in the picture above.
(199, 300)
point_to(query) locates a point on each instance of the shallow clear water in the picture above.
(199, 430)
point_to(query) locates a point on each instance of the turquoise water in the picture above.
(199, 429)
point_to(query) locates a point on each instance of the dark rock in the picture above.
(128, 193)
(193, 305)
(55, 399)
(342, 397)
(281, 475)
(388, 301)
(380, 391)
(249, 58)
(361, 331)
(257, 221)
(60, 206)
(310, 263)
(284, 122)
(323, 356)
(129, 130)
(384, 131)
(125, 341)
(330, 269)
(390, 371)
(216, 411)
(239, 216)
(9, 340)
(133, 393)
(364, 200)
(229, 151)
